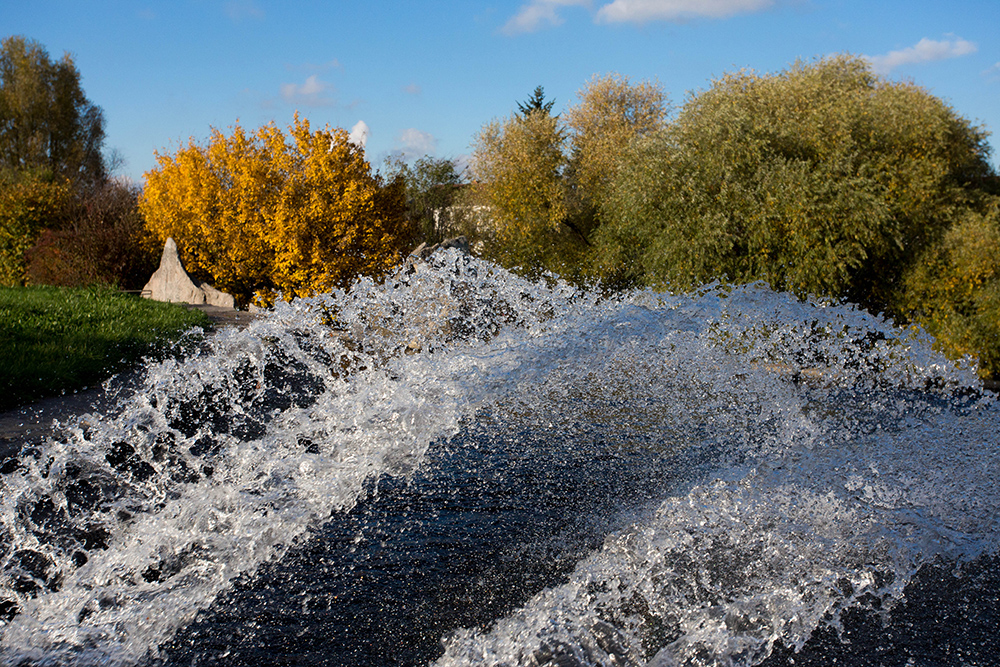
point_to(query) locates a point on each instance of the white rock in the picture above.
(172, 283)
(214, 297)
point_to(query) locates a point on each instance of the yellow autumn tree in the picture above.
(610, 113)
(542, 177)
(265, 215)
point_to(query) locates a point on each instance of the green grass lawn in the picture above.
(54, 339)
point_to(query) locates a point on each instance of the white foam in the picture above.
(296, 413)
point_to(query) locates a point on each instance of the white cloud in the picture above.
(538, 14)
(359, 134)
(312, 93)
(926, 50)
(641, 11)
(413, 142)
(993, 73)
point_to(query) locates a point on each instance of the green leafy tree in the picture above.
(431, 187)
(953, 289)
(46, 121)
(30, 200)
(540, 176)
(51, 168)
(823, 179)
(518, 165)
(610, 114)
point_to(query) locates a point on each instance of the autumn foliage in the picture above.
(264, 215)
(543, 176)
(519, 163)
(610, 113)
(29, 201)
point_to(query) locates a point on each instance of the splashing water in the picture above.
(725, 472)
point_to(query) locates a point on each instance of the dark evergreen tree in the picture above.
(536, 103)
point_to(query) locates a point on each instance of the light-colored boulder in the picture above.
(214, 297)
(172, 283)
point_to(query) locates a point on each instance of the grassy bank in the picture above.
(54, 340)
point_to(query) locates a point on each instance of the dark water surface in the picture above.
(491, 519)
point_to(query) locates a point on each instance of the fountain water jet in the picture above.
(709, 478)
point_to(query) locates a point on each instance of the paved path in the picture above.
(225, 316)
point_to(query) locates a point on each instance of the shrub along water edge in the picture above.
(825, 179)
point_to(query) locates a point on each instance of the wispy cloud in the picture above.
(926, 50)
(412, 89)
(643, 11)
(237, 10)
(312, 93)
(538, 14)
(359, 134)
(413, 142)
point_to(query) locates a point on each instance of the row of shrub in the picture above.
(51, 234)
(824, 179)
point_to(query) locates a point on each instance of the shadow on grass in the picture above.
(55, 340)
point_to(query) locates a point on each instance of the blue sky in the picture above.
(424, 77)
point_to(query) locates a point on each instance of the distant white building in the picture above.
(473, 222)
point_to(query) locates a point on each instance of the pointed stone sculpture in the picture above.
(172, 283)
